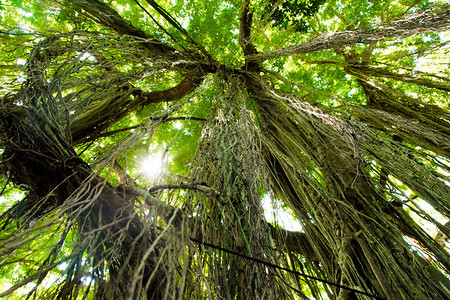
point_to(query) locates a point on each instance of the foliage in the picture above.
(141, 141)
(292, 13)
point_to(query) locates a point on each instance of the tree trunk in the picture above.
(351, 217)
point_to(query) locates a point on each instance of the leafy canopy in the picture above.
(335, 111)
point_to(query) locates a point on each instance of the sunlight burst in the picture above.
(152, 165)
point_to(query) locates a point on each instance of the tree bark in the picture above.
(349, 197)
(436, 19)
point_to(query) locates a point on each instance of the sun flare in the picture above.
(151, 166)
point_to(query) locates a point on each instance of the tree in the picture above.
(344, 122)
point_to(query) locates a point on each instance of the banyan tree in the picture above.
(336, 112)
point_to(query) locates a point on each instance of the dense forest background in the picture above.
(155, 150)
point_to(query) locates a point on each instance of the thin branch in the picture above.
(186, 119)
(190, 186)
(113, 132)
(157, 23)
(177, 25)
(17, 33)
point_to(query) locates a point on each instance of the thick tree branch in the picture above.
(244, 29)
(437, 19)
(103, 14)
(379, 72)
(92, 122)
(124, 178)
(186, 86)
(301, 58)
(245, 36)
